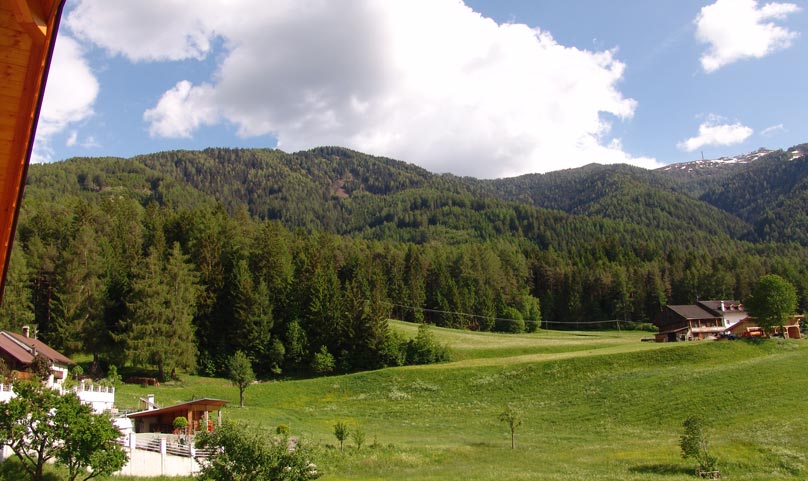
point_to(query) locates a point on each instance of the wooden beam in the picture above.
(30, 14)
(40, 20)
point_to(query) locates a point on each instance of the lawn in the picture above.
(599, 406)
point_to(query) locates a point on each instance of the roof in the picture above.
(729, 306)
(23, 348)
(693, 312)
(27, 35)
(209, 404)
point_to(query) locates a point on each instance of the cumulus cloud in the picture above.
(69, 96)
(715, 131)
(427, 81)
(738, 29)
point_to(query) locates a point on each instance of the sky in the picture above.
(482, 88)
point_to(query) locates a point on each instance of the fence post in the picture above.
(162, 456)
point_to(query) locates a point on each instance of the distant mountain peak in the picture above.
(697, 165)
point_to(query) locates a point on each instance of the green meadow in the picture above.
(596, 406)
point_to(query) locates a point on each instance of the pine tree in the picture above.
(17, 309)
(160, 330)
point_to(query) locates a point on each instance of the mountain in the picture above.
(758, 196)
(301, 241)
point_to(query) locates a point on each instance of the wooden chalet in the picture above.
(688, 322)
(712, 320)
(198, 413)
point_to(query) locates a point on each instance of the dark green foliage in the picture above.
(323, 362)
(424, 349)
(772, 302)
(41, 367)
(510, 320)
(240, 453)
(159, 331)
(279, 254)
(16, 309)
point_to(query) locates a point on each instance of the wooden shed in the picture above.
(198, 412)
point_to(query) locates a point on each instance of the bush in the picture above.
(511, 321)
(394, 350)
(236, 452)
(282, 430)
(424, 349)
(323, 362)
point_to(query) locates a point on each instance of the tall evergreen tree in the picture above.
(17, 309)
(160, 331)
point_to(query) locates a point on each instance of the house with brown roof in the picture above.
(19, 350)
(710, 320)
(687, 322)
(199, 414)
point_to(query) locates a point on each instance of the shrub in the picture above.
(394, 350)
(282, 430)
(510, 320)
(424, 349)
(323, 362)
(180, 423)
(236, 452)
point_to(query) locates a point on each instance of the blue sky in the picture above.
(487, 88)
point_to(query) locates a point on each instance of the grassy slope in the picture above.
(596, 406)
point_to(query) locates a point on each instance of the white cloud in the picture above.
(426, 81)
(773, 130)
(738, 29)
(715, 131)
(69, 96)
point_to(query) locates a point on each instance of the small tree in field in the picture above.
(694, 444)
(240, 373)
(513, 417)
(358, 437)
(341, 433)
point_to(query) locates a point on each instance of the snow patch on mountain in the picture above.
(697, 165)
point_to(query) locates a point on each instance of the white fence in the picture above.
(151, 455)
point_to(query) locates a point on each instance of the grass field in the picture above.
(597, 406)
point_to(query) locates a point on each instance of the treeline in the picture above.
(126, 260)
(163, 288)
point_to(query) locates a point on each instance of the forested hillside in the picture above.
(179, 259)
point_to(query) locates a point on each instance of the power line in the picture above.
(479, 316)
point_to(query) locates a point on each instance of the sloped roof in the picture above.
(209, 404)
(729, 306)
(691, 311)
(23, 348)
